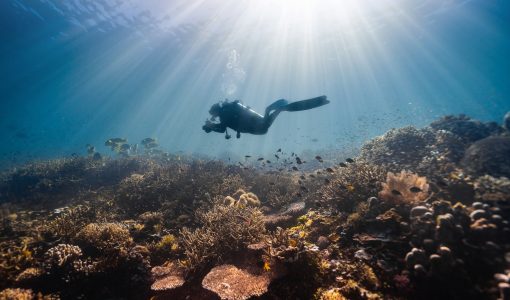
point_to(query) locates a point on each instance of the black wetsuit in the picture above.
(241, 118)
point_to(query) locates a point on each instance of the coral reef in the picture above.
(467, 129)
(418, 214)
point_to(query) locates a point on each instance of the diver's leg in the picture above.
(270, 117)
(275, 105)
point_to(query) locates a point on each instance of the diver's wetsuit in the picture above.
(243, 119)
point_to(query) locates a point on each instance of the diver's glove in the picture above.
(207, 126)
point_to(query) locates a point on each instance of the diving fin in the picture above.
(305, 104)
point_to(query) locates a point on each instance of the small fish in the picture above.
(271, 183)
(247, 156)
(268, 161)
(330, 170)
(298, 160)
(294, 168)
(442, 183)
(318, 158)
(350, 188)
(125, 147)
(396, 193)
(302, 177)
(349, 160)
(90, 149)
(260, 158)
(415, 189)
(240, 163)
(454, 176)
(311, 175)
(277, 157)
(246, 220)
(343, 165)
(279, 150)
(114, 141)
(147, 141)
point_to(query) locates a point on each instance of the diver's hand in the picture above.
(207, 127)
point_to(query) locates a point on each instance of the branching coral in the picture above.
(404, 187)
(350, 185)
(60, 255)
(105, 237)
(224, 229)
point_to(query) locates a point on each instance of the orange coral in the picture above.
(404, 187)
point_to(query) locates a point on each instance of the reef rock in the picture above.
(467, 129)
(488, 156)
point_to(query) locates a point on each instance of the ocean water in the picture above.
(79, 72)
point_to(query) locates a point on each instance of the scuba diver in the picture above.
(241, 118)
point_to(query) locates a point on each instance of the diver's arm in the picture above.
(216, 127)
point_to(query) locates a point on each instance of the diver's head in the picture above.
(215, 110)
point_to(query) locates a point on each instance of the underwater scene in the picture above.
(255, 149)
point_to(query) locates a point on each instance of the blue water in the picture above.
(79, 72)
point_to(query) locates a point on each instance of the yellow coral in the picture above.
(168, 242)
(332, 294)
(267, 266)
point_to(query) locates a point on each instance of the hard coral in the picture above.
(60, 255)
(242, 198)
(353, 184)
(467, 129)
(404, 187)
(231, 283)
(167, 277)
(488, 156)
(224, 229)
(16, 294)
(488, 188)
(399, 149)
(105, 237)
